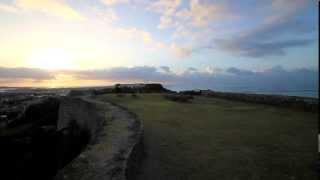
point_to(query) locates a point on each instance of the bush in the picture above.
(120, 95)
(178, 97)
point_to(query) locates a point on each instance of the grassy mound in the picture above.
(212, 138)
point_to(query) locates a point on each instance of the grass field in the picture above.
(211, 138)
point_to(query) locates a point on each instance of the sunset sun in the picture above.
(51, 59)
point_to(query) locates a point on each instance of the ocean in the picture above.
(303, 93)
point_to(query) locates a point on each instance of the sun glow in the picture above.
(51, 59)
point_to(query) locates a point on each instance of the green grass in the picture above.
(212, 138)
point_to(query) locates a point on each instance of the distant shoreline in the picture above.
(295, 93)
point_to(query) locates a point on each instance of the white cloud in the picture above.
(213, 70)
(114, 2)
(165, 22)
(136, 34)
(8, 8)
(196, 15)
(191, 24)
(181, 52)
(105, 16)
(201, 15)
(167, 9)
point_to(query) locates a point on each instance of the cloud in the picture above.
(197, 14)
(105, 16)
(57, 8)
(286, 16)
(232, 79)
(167, 9)
(191, 70)
(249, 48)
(197, 24)
(114, 2)
(191, 22)
(201, 15)
(125, 74)
(181, 52)
(284, 10)
(165, 69)
(272, 36)
(8, 8)
(240, 72)
(213, 70)
(239, 80)
(136, 34)
(24, 73)
(165, 22)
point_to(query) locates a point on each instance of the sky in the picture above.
(265, 44)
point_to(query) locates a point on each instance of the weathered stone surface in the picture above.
(28, 144)
(114, 151)
(52, 132)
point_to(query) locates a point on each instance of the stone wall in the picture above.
(299, 103)
(82, 113)
(115, 146)
(53, 135)
(78, 124)
(28, 145)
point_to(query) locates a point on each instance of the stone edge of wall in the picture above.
(299, 103)
(135, 153)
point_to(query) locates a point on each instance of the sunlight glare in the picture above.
(51, 59)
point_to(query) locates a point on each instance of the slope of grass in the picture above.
(212, 138)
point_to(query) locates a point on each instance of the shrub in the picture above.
(178, 97)
(120, 95)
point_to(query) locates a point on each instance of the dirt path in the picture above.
(151, 167)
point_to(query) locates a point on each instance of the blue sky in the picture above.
(207, 35)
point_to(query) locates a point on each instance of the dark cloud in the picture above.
(290, 17)
(138, 73)
(277, 33)
(239, 71)
(166, 69)
(24, 73)
(231, 79)
(252, 48)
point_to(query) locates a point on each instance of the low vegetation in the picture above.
(211, 138)
(178, 97)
